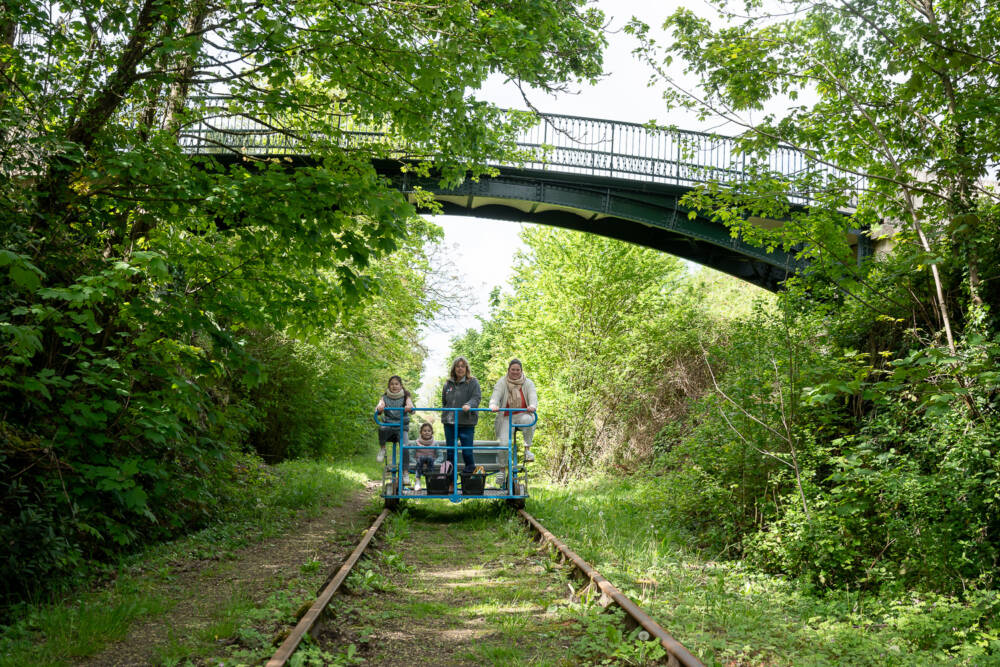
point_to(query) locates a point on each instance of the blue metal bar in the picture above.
(399, 455)
(512, 446)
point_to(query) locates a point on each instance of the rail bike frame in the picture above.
(514, 487)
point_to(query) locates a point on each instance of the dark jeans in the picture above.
(425, 464)
(466, 434)
(387, 434)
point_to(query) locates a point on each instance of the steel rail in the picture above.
(679, 655)
(309, 619)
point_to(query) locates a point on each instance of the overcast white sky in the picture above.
(482, 250)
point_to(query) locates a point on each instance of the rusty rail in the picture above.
(307, 621)
(678, 654)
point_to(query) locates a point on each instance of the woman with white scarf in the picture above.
(515, 390)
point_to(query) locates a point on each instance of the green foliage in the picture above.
(604, 641)
(314, 655)
(910, 498)
(900, 130)
(316, 396)
(159, 311)
(813, 439)
(859, 435)
(897, 473)
(608, 333)
(847, 468)
(259, 502)
(366, 580)
(726, 612)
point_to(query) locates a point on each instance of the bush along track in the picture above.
(467, 585)
(728, 614)
(216, 597)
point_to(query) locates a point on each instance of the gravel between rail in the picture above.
(204, 592)
(455, 585)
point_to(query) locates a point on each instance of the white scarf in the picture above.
(395, 394)
(515, 396)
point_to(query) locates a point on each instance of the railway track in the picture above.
(597, 586)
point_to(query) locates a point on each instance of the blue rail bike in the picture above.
(499, 475)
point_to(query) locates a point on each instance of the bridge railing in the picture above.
(557, 143)
(616, 149)
(628, 150)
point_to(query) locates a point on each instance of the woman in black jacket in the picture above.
(461, 390)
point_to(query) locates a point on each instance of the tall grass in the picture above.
(55, 633)
(728, 614)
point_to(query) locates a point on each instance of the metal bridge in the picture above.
(620, 180)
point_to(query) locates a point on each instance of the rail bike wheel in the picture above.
(515, 503)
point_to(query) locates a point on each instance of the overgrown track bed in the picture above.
(308, 620)
(609, 594)
(460, 585)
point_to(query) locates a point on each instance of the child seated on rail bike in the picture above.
(425, 455)
(394, 405)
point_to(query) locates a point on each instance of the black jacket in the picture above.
(455, 395)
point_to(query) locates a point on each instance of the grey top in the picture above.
(455, 395)
(393, 410)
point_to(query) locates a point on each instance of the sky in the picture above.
(483, 250)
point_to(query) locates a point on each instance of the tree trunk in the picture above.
(975, 282)
(939, 300)
(8, 35)
(179, 89)
(105, 103)
(961, 192)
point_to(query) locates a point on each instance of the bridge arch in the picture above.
(620, 180)
(648, 214)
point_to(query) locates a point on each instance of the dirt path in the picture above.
(455, 585)
(206, 594)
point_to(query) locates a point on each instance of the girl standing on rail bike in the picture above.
(397, 404)
(460, 390)
(515, 390)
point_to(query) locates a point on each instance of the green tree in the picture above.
(132, 272)
(889, 363)
(317, 395)
(902, 105)
(608, 332)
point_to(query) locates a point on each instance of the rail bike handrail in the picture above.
(415, 409)
(405, 443)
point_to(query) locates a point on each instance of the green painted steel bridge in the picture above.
(620, 180)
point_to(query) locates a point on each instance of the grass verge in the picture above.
(140, 586)
(729, 615)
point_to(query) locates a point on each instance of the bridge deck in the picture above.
(621, 180)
